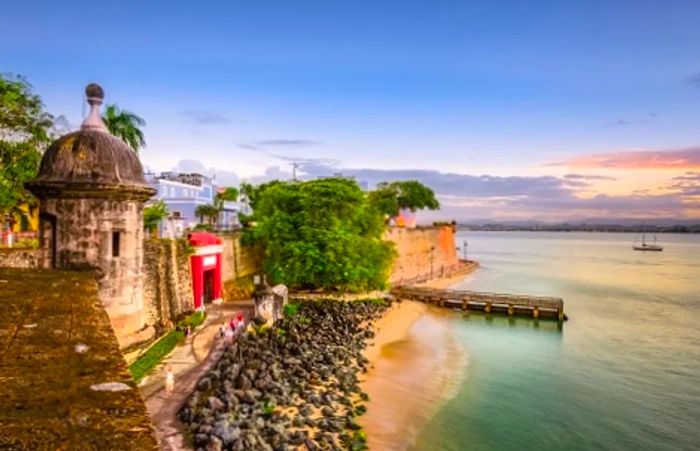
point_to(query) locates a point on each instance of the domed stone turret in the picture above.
(92, 190)
(91, 160)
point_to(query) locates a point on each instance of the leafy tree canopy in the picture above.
(126, 126)
(25, 130)
(390, 198)
(22, 115)
(320, 234)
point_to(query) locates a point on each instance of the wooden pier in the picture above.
(511, 304)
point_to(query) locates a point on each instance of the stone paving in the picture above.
(64, 383)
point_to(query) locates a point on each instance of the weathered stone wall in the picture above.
(167, 284)
(19, 258)
(239, 264)
(422, 252)
(239, 260)
(84, 238)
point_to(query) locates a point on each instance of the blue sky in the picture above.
(487, 91)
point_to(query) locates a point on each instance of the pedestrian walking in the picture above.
(169, 381)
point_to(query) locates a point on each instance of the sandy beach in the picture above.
(415, 366)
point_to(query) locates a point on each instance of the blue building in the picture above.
(183, 193)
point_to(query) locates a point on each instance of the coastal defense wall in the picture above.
(424, 252)
(239, 260)
(239, 264)
(19, 258)
(167, 284)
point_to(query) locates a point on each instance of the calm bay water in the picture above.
(622, 374)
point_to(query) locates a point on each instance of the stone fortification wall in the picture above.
(103, 234)
(239, 260)
(425, 252)
(167, 285)
(240, 263)
(19, 258)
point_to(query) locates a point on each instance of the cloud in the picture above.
(204, 117)
(307, 162)
(271, 173)
(588, 177)
(287, 143)
(548, 198)
(694, 80)
(619, 122)
(248, 146)
(222, 177)
(638, 159)
(266, 144)
(467, 197)
(687, 184)
(585, 180)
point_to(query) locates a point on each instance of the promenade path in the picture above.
(188, 362)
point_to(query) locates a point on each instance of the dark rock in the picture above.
(215, 444)
(201, 439)
(327, 411)
(204, 384)
(226, 432)
(215, 404)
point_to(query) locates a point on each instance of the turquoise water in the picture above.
(622, 374)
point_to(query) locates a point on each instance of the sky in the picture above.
(547, 111)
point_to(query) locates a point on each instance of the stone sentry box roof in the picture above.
(65, 384)
(91, 162)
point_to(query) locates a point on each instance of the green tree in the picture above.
(154, 214)
(391, 198)
(125, 125)
(24, 134)
(229, 194)
(320, 234)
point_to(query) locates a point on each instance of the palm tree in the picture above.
(211, 212)
(154, 214)
(125, 125)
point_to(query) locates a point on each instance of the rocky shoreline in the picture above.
(291, 386)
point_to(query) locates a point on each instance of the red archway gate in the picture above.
(206, 268)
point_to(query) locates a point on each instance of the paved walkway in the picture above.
(188, 362)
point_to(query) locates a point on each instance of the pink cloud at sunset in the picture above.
(686, 158)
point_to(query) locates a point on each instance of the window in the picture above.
(116, 243)
(177, 215)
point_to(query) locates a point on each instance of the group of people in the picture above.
(228, 330)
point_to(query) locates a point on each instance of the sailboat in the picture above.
(647, 246)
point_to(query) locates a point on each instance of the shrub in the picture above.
(290, 310)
